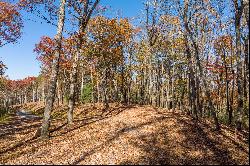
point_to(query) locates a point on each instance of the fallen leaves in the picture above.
(127, 135)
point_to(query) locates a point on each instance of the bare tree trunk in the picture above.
(25, 97)
(192, 85)
(227, 98)
(43, 93)
(246, 72)
(82, 81)
(33, 94)
(217, 125)
(158, 89)
(123, 84)
(93, 87)
(58, 92)
(54, 74)
(197, 83)
(83, 22)
(73, 80)
(238, 15)
(196, 50)
(105, 88)
(98, 91)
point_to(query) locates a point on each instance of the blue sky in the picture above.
(20, 58)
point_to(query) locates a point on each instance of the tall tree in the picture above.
(83, 9)
(238, 11)
(54, 73)
(197, 58)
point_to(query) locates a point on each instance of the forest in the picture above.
(168, 87)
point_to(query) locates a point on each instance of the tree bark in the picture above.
(83, 22)
(196, 50)
(54, 74)
(105, 88)
(238, 15)
(73, 80)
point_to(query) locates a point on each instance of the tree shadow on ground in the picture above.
(159, 149)
(10, 130)
(115, 136)
(20, 126)
(18, 144)
(152, 152)
(78, 123)
(197, 138)
(238, 145)
(83, 121)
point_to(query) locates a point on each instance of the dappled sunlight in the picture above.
(135, 82)
(132, 135)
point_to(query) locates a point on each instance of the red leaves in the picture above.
(13, 85)
(10, 23)
(46, 48)
(216, 68)
(224, 41)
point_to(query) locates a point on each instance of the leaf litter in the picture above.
(121, 135)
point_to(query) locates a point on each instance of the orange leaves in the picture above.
(110, 29)
(13, 85)
(223, 46)
(224, 41)
(46, 48)
(107, 37)
(10, 23)
(174, 20)
(178, 43)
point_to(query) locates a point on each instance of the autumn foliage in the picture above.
(10, 23)
(187, 57)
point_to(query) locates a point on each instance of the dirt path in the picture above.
(24, 114)
(18, 131)
(136, 135)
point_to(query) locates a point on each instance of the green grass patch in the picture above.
(4, 116)
(58, 114)
(38, 112)
(86, 96)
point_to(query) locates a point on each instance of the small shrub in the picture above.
(86, 96)
(4, 116)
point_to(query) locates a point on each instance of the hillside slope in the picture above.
(122, 135)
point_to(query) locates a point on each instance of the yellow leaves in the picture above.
(179, 43)
(224, 41)
(107, 37)
(180, 82)
(223, 46)
(113, 22)
(143, 51)
(169, 19)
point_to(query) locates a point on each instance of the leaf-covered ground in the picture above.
(121, 135)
